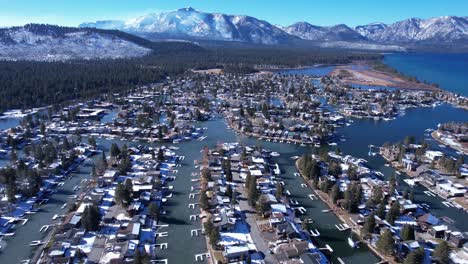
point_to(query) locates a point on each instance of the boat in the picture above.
(36, 243)
(351, 243)
(275, 154)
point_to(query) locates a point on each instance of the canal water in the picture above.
(17, 247)
(364, 132)
(182, 247)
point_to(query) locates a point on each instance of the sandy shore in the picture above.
(365, 75)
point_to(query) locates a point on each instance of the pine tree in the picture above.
(279, 191)
(90, 218)
(214, 236)
(104, 160)
(160, 155)
(407, 233)
(369, 225)
(393, 213)
(252, 192)
(411, 195)
(381, 209)
(114, 150)
(386, 242)
(262, 206)
(204, 203)
(141, 257)
(153, 211)
(392, 185)
(441, 253)
(228, 191)
(415, 257)
(122, 194)
(335, 193)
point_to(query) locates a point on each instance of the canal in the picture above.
(17, 247)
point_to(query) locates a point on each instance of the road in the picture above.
(255, 232)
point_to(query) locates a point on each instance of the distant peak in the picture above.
(187, 9)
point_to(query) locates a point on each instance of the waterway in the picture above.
(364, 132)
(17, 247)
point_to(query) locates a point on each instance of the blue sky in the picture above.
(281, 12)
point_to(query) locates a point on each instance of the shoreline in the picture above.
(371, 77)
(410, 175)
(338, 212)
(437, 138)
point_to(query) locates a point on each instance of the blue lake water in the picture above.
(450, 71)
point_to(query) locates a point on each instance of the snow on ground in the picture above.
(239, 236)
(78, 45)
(88, 243)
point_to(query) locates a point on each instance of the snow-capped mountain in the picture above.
(193, 24)
(441, 30)
(53, 43)
(104, 24)
(372, 30)
(307, 31)
(188, 23)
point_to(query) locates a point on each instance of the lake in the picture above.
(450, 71)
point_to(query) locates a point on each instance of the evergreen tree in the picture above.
(335, 193)
(160, 155)
(279, 191)
(141, 257)
(411, 195)
(392, 185)
(214, 236)
(407, 233)
(203, 200)
(42, 128)
(122, 195)
(228, 191)
(261, 206)
(386, 242)
(393, 213)
(441, 253)
(369, 226)
(90, 218)
(233, 198)
(415, 257)
(114, 150)
(381, 209)
(153, 211)
(92, 141)
(104, 160)
(252, 192)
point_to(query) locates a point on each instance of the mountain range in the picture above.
(113, 39)
(188, 23)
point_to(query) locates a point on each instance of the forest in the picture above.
(26, 84)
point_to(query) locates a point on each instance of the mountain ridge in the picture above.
(191, 24)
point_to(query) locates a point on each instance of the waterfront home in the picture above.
(433, 155)
(450, 189)
(438, 231)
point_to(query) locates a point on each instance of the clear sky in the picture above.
(280, 12)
